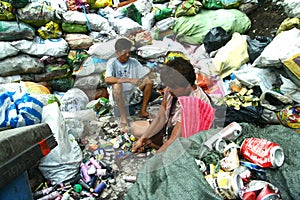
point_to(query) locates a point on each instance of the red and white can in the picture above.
(262, 152)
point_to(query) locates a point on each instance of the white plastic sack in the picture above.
(59, 6)
(92, 65)
(290, 89)
(63, 162)
(103, 50)
(10, 79)
(292, 8)
(20, 64)
(6, 50)
(40, 47)
(160, 48)
(36, 12)
(73, 100)
(102, 36)
(125, 25)
(12, 30)
(283, 46)
(148, 21)
(143, 6)
(88, 82)
(231, 56)
(79, 41)
(251, 76)
(94, 21)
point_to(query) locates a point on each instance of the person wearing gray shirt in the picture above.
(124, 75)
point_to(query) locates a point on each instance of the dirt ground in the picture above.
(266, 19)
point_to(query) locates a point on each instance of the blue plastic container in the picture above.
(17, 189)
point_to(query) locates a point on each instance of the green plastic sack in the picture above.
(133, 13)
(192, 29)
(162, 13)
(63, 84)
(231, 3)
(188, 8)
(212, 4)
(74, 28)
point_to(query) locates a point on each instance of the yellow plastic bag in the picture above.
(293, 64)
(288, 24)
(6, 11)
(231, 56)
(51, 30)
(103, 3)
(35, 88)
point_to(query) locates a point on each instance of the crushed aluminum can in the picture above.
(220, 146)
(229, 185)
(231, 159)
(232, 131)
(261, 190)
(244, 173)
(262, 152)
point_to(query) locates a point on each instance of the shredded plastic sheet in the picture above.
(174, 174)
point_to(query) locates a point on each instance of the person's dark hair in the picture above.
(178, 73)
(123, 44)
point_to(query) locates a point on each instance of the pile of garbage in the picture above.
(52, 68)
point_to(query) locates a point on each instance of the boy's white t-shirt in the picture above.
(131, 69)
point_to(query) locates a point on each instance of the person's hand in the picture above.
(137, 81)
(140, 145)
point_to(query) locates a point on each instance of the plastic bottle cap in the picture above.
(77, 188)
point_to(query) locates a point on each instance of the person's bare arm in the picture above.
(156, 125)
(114, 80)
(176, 133)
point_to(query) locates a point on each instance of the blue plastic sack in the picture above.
(19, 110)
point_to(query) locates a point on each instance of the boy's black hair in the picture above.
(178, 73)
(123, 44)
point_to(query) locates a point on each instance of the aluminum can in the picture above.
(262, 152)
(229, 185)
(231, 132)
(261, 190)
(244, 173)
